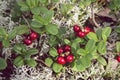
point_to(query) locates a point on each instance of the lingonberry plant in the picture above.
(24, 55)
(76, 52)
(79, 52)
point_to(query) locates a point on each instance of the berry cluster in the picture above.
(30, 37)
(118, 58)
(65, 55)
(81, 32)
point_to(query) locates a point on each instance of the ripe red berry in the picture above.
(60, 50)
(67, 48)
(33, 35)
(27, 41)
(81, 34)
(118, 58)
(76, 28)
(87, 30)
(61, 60)
(69, 58)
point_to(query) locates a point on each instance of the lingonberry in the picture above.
(118, 58)
(81, 34)
(76, 28)
(67, 48)
(69, 58)
(27, 41)
(87, 30)
(60, 50)
(61, 60)
(33, 35)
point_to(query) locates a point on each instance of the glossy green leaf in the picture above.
(80, 67)
(48, 61)
(36, 10)
(101, 47)
(118, 47)
(53, 52)
(21, 29)
(19, 61)
(32, 51)
(35, 24)
(106, 32)
(12, 34)
(66, 41)
(92, 36)
(99, 33)
(75, 43)
(102, 61)
(18, 48)
(6, 43)
(23, 5)
(57, 67)
(117, 29)
(52, 29)
(2, 31)
(31, 62)
(40, 19)
(3, 64)
(81, 52)
(90, 46)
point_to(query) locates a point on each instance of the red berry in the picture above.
(33, 35)
(87, 30)
(76, 28)
(0, 44)
(81, 34)
(118, 58)
(67, 48)
(61, 60)
(60, 50)
(27, 41)
(69, 58)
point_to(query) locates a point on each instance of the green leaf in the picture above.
(36, 10)
(75, 43)
(6, 43)
(19, 61)
(81, 52)
(31, 62)
(32, 51)
(79, 66)
(118, 47)
(117, 29)
(48, 16)
(86, 61)
(40, 19)
(99, 33)
(35, 24)
(2, 31)
(23, 5)
(52, 29)
(101, 47)
(12, 34)
(3, 64)
(18, 48)
(21, 29)
(106, 32)
(90, 46)
(48, 61)
(102, 61)
(57, 67)
(53, 52)
(92, 36)
(67, 41)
